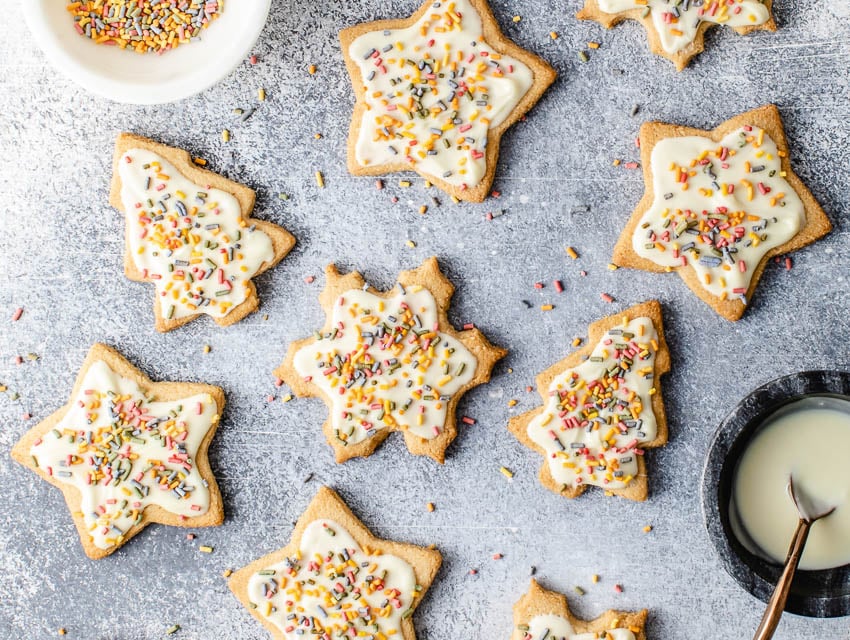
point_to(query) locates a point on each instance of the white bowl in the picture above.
(127, 76)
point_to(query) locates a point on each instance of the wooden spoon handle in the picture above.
(776, 604)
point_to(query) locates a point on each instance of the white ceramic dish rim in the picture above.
(59, 46)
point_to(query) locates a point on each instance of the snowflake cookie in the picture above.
(602, 408)
(389, 361)
(676, 30)
(336, 580)
(545, 615)
(718, 205)
(126, 452)
(435, 92)
(190, 232)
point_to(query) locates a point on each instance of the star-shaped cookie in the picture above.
(336, 580)
(676, 30)
(126, 452)
(545, 615)
(435, 92)
(389, 361)
(718, 205)
(602, 408)
(190, 232)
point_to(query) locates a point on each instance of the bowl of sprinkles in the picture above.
(146, 51)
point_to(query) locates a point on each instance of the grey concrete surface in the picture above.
(61, 260)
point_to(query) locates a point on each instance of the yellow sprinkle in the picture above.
(647, 528)
(553, 35)
(287, 398)
(547, 307)
(506, 472)
(572, 253)
(205, 549)
(430, 506)
(200, 162)
(311, 69)
(227, 573)
(423, 209)
(612, 266)
(404, 183)
(517, 18)
(594, 578)
(62, 631)
(512, 403)
(576, 342)
(207, 348)
(317, 136)
(261, 94)
(616, 162)
(593, 45)
(320, 180)
(411, 244)
(225, 135)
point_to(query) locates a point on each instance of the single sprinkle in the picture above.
(199, 161)
(227, 573)
(606, 297)
(572, 253)
(172, 629)
(312, 69)
(582, 56)
(547, 307)
(497, 556)
(225, 135)
(320, 180)
(430, 507)
(18, 313)
(647, 528)
(506, 472)
(207, 348)
(578, 590)
(205, 549)
(261, 94)
(618, 588)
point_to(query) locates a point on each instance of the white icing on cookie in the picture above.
(433, 90)
(599, 413)
(333, 588)
(719, 207)
(385, 363)
(124, 453)
(554, 627)
(677, 22)
(190, 240)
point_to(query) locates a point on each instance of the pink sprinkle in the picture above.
(190, 536)
(18, 313)
(468, 325)
(278, 382)
(379, 184)
(473, 572)
(582, 273)
(489, 215)
(27, 415)
(631, 165)
(253, 59)
(467, 420)
(787, 263)
(19, 360)
(606, 297)
(309, 279)
(269, 398)
(618, 588)
(497, 556)
(559, 287)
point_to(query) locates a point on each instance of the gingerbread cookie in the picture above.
(389, 361)
(602, 408)
(545, 615)
(435, 92)
(126, 452)
(189, 231)
(676, 30)
(336, 580)
(718, 205)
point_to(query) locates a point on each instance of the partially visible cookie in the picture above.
(676, 30)
(190, 232)
(435, 92)
(336, 580)
(126, 452)
(545, 615)
(718, 205)
(602, 408)
(389, 361)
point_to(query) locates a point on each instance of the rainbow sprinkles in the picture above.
(144, 26)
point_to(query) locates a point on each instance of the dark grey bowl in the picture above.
(820, 594)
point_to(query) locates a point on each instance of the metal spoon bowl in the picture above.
(809, 513)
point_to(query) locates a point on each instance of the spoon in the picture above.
(809, 513)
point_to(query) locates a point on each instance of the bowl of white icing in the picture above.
(126, 76)
(795, 425)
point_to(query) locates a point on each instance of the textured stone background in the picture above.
(61, 259)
